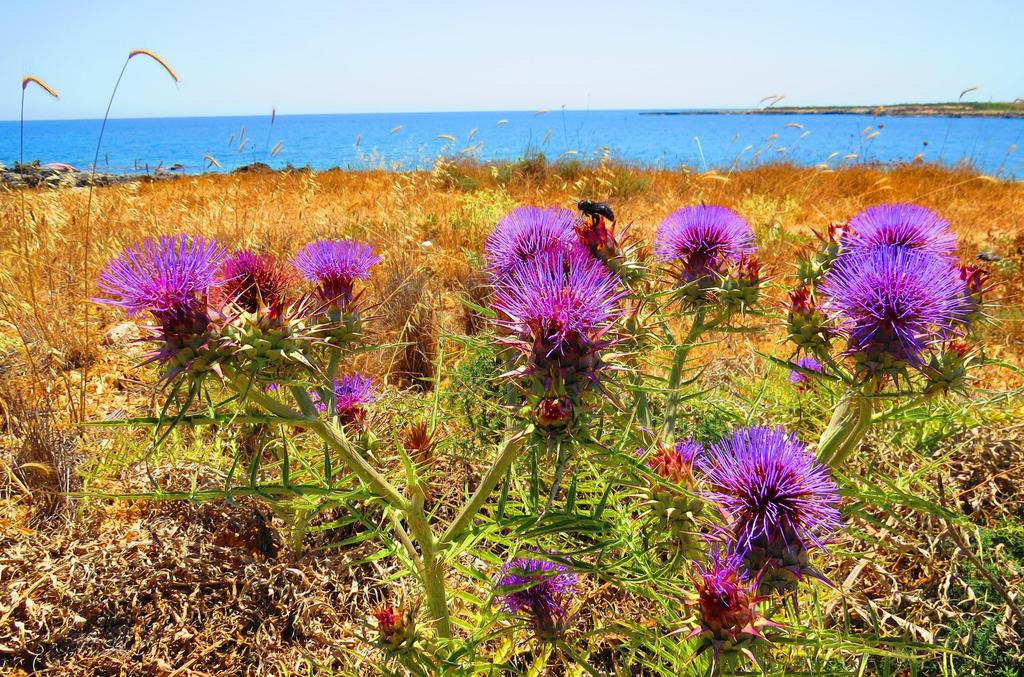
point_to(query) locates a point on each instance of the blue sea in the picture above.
(402, 141)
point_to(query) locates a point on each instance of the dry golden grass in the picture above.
(31, 79)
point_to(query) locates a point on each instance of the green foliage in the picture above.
(472, 396)
(533, 166)
(770, 217)
(481, 209)
(569, 169)
(984, 650)
(627, 183)
(1010, 533)
(450, 175)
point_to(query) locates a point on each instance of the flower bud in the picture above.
(553, 413)
(671, 499)
(812, 265)
(806, 326)
(740, 289)
(727, 608)
(396, 629)
(976, 283)
(947, 369)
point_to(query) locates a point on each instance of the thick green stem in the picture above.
(676, 375)
(846, 429)
(305, 402)
(329, 433)
(248, 390)
(432, 568)
(511, 447)
(299, 523)
(333, 362)
(336, 439)
(430, 560)
(403, 537)
(913, 403)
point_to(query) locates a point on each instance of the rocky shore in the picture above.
(949, 110)
(59, 175)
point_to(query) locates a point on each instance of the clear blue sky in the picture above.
(315, 56)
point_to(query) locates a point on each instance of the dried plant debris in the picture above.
(162, 587)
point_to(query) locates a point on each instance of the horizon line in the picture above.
(538, 112)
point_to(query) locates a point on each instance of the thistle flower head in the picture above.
(676, 463)
(701, 239)
(169, 277)
(724, 594)
(797, 377)
(891, 303)
(816, 261)
(553, 413)
(727, 607)
(903, 225)
(335, 265)
(771, 486)
(806, 326)
(748, 270)
(254, 281)
(526, 233)
(948, 369)
(975, 279)
(396, 628)
(801, 302)
(563, 302)
(420, 441)
(596, 230)
(741, 287)
(538, 588)
(352, 393)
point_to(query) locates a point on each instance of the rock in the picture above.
(61, 167)
(254, 167)
(119, 334)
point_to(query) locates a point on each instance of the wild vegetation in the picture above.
(412, 452)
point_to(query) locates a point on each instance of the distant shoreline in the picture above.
(949, 110)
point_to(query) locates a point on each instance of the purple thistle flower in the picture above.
(564, 302)
(892, 302)
(688, 450)
(352, 393)
(799, 377)
(253, 280)
(335, 265)
(528, 232)
(899, 225)
(169, 277)
(772, 488)
(720, 583)
(539, 588)
(701, 239)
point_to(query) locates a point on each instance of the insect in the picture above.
(596, 210)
